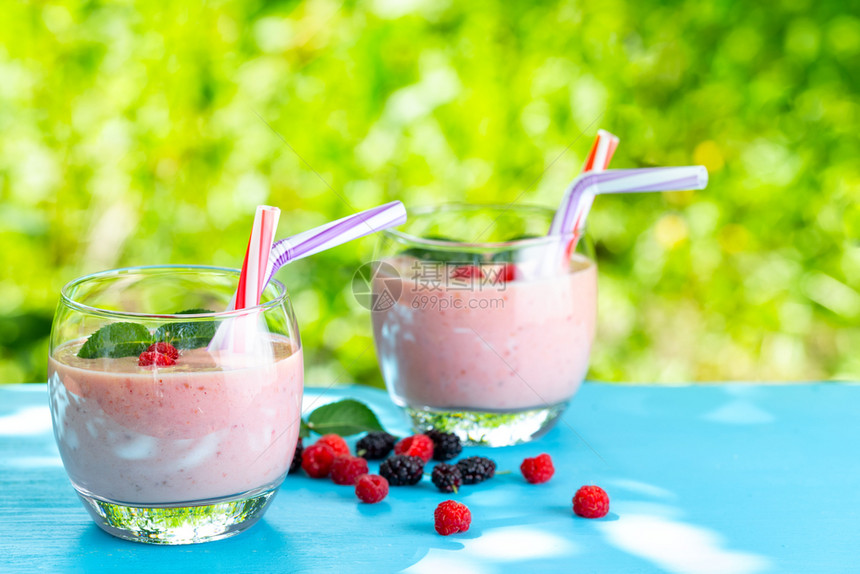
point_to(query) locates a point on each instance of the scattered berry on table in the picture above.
(446, 477)
(164, 349)
(419, 445)
(446, 445)
(538, 469)
(402, 470)
(591, 502)
(151, 358)
(451, 517)
(375, 445)
(476, 469)
(371, 488)
(317, 460)
(346, 469)
(335, 443)
(296, 464)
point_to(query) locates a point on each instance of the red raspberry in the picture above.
(346, 469)
(371, 488)
(503, 274)
(538, 469)
(591, 502)
(467, 272)
(151, 358)
(451, 517)
(419, 445)
(164, 349)
(335, 443)
(317, 460)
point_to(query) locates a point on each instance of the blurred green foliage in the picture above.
(144, 133)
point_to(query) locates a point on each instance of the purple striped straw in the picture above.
(334, 234)
(577, 201)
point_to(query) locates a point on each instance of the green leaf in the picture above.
(345, 417)
(187, 335)
(304, 430)
(116, 340)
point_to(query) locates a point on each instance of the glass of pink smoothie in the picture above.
(483, 325)
(167, 437)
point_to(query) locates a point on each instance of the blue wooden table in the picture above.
(719, 478)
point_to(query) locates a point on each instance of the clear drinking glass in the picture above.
(483, 325)
(183, 453)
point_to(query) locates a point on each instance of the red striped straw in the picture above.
(598, 160)
(601, 152)
(252, 279)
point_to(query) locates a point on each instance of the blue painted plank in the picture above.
(722, 478)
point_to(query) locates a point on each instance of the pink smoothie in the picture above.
(523, 344)
(215, 425)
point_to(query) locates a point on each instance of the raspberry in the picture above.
(591, 502)
(151, 358)
(446, 477)
(503, 274)
(317, 460)
(446, 445)
(538, 469)
(464, 272)
(346, 469)
(476, 469)
(375, 445)
(371, 488)
(419, 445)
(335, 442)
(402, 470)
(164, 349)
(451, 517)
(296, 464)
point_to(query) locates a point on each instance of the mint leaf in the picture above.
(304, 430)
(345, 417)
(116, 340)
(187, 335)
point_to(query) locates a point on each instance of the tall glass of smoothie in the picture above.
(483, 325)
(167, 437)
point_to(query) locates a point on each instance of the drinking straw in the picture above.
(232, 333)
(585, 187)
(601, 151)
(570, 217)
(598, 160)
(239, 333)
(251, 279)
(333, 234)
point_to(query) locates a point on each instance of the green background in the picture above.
(135, 134)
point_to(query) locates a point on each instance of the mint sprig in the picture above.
(187, 335)
(116, 340)
(345, 417)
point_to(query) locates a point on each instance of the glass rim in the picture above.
(445, 245)
(66, 299)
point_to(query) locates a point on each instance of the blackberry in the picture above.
(476, 469)
(402, 470)
(297, 458)
(375, 445)
(446, 445)
(447, 477)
